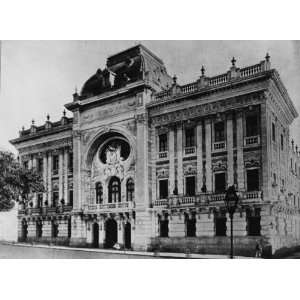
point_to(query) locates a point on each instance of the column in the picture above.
(230, 169)
(199, 157)
(153, 163)
(208, 171)
(77, 169)
(45, 177)
(65, 166)
(179, 160)
(240, 148)
(60, 175)
(49, 178)
(171, 162)
(34, 163)
(30, 163)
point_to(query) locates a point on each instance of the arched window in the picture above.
(99, 193)
(190, 223)
(114, 190)
(130, 190)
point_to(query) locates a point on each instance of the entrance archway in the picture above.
(111, 233)
(95, 235)
(127, 242)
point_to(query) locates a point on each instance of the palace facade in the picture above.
(145, 162)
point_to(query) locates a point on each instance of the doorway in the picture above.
(95, 235)
(111, 233)
(127, 235)
(24, 231)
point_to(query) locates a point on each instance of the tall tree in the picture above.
(17, 183)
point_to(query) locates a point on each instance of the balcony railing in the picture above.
(252, 140)
(45, 210)
(189, 150)
(204, 199)
(110, 206)
(163, 155)
(219, 146)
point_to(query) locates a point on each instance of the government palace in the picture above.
(144, 163)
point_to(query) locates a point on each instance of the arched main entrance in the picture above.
(95, 235)
(111, 233)
(127, 237)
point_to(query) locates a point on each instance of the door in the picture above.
(95, 235)
(111, 233)
(128, 235)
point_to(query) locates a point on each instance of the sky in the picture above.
(39, 77)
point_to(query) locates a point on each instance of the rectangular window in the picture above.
(252, 125)
(220, 224)
(190, 186)
(253, 222)
(55, 164)
(253, 180)
(163, 142)
(273, 133)
(281, 142)
(40, 165)
(70, 162)
(39, 200)
(220, 182)
(55, 197)
(70, 197)
(163, 189)
(190, 137)
(219, 132)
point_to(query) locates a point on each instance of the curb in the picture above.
(137, 253)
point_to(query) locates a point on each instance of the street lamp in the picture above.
(231, 201)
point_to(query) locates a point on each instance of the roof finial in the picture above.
(233, 61)
(48, 117)
(202, 71)
(268, 57)
(32, 121)
(23, 128)
(174, 79)
(64, 112)
(76, 91)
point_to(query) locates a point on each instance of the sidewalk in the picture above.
(127, 252)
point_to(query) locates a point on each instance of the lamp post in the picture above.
(231, 201)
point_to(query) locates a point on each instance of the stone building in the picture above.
(145, 162)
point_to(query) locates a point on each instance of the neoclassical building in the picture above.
(145, 162)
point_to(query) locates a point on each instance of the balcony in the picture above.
(188, 151)
(45, 210)
(163, 155)
(204, 199)
(219, 146)
(110, 207)
(251, 141)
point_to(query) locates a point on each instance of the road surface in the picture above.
(19, 251)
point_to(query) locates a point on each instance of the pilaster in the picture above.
(49, 178)
(179, 160)
(230, 169)
(60, 174)
(199, 157)
(171, 162)
(208, 167)
(240, 148)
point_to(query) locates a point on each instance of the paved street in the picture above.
(18, 251)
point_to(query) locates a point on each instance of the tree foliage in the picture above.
(17, 183)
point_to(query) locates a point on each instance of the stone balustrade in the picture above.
(189, 150)
(252, 141)
(219, 146)
(211, 82)
(204, 199)
(109, 207)
(163, 155)
(45, 210)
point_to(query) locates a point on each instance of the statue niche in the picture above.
(113, 155)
